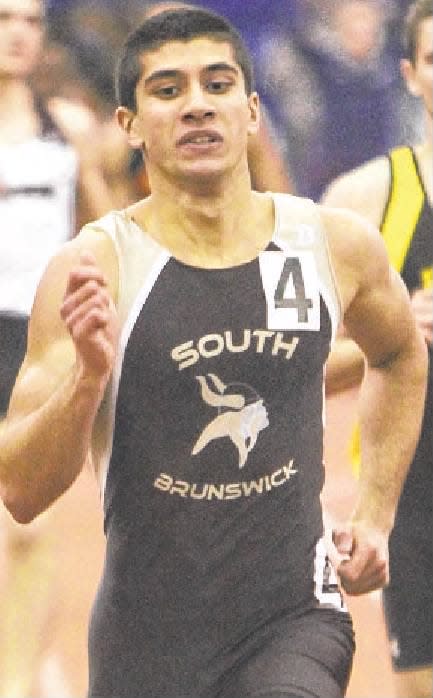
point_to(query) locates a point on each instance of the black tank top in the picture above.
(212, 510)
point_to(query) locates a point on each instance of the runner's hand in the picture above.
(361, 558)
(89, 314)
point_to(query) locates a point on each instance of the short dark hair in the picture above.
(418, 12)
(175, 25)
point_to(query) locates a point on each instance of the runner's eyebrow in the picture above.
(172, 73)
(218, 67)
(160, 75)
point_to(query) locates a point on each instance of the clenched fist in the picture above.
(89, 313)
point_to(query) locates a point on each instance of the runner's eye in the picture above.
(167, 91)
(219, 86)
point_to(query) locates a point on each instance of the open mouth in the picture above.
(200, 138)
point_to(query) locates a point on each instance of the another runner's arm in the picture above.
(45, 438)
(364, 190)
(378, 316)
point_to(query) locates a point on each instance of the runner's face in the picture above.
(193, 114)
(21, 32)
(420, 75)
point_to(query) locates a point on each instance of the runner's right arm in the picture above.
(73, 333)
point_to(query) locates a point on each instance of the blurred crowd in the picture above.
(327, 72)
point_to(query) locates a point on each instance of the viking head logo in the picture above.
(241, 415)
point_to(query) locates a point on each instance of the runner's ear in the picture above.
(127, 121)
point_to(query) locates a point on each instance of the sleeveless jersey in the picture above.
(37, 211)
(407, 225)
(210, 453)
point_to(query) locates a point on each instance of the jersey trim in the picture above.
(154, 271)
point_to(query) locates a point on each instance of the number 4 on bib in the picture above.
(291, 289)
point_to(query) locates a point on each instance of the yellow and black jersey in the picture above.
(407, 225)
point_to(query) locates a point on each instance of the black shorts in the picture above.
(408, 600)
(307, 657)
(408, 603)
(13, 343)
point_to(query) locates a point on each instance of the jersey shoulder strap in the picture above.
(404, 206)
(140, 258)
